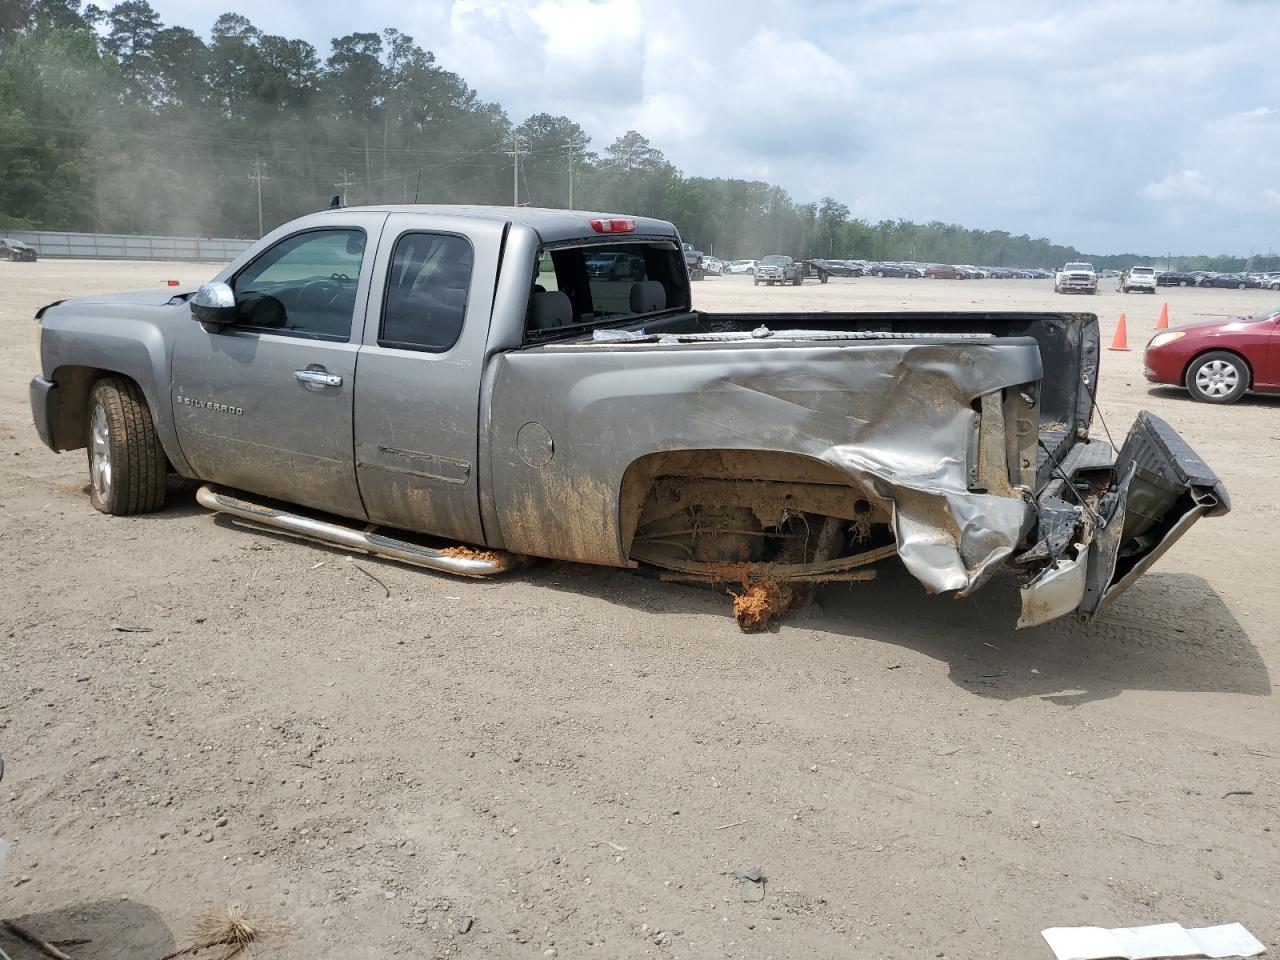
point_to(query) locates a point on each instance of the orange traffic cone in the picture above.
(1121, 341)
(1163, 322)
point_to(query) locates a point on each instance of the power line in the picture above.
(345, 183)
(257, 176)
(573, 146)
(519, 148)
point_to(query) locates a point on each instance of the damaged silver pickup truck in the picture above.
(456, 387)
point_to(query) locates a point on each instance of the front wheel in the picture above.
(127, 465)
(1241, 286)
(1217, 377)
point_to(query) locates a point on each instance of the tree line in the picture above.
(111, 121)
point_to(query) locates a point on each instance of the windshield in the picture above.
(776, 261)
(1143, 270)
(1078, 266)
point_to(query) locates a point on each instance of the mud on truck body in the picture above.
(403, 380)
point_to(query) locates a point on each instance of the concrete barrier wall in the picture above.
(118, 246)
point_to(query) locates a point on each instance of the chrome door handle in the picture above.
(322, 377)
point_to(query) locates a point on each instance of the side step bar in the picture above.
(486, 563)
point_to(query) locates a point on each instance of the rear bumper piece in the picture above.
(42, 402)
(1161, 489)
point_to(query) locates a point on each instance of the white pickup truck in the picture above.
(1076, 278)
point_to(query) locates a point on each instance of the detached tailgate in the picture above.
(1162, 488)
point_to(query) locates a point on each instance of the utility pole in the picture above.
(345, 183)
(519, 148)
(573, 146)
(259, 174)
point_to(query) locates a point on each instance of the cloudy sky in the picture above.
(1112, 125)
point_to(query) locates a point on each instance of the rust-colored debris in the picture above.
(759, 603)
(471, 553)
(762, 598)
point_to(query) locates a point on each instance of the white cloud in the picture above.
(1109, 124)
(1185, 186)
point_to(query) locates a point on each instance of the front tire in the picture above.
(127, 465)
(1217, 377)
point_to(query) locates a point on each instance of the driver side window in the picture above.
(303, 286)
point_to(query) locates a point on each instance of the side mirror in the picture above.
(214, 303)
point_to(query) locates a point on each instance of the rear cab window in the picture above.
(578, 287)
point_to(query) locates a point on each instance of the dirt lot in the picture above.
(574, 764)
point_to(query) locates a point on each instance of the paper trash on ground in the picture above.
(1150, 943)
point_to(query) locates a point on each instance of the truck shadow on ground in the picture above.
(96, 930)
(1170, 631)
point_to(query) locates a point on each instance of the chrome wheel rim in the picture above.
(100, 453)
(1217, 378)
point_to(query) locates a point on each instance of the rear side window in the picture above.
(426, 299)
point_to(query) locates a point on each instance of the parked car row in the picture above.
(953, 271)
(833, 267)
(1209, 278)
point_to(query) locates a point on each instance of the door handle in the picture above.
(322, 377)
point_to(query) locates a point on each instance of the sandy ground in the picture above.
(575, 765)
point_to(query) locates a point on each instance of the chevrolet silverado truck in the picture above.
(1076, 278)
(457, 388)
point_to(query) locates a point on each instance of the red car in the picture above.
(1218, 361)
(941, 271)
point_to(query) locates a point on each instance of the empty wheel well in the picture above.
(751, 496)
(1235, 353)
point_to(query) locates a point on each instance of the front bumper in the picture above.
(1159, 487)
(42, 407)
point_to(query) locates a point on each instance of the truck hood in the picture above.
(145, 298)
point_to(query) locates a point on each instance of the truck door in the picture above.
(418, 378)
(264, 404)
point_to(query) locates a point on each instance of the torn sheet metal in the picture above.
(1056, 591)
(895, 415)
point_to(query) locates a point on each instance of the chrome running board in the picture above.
(485, 563)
